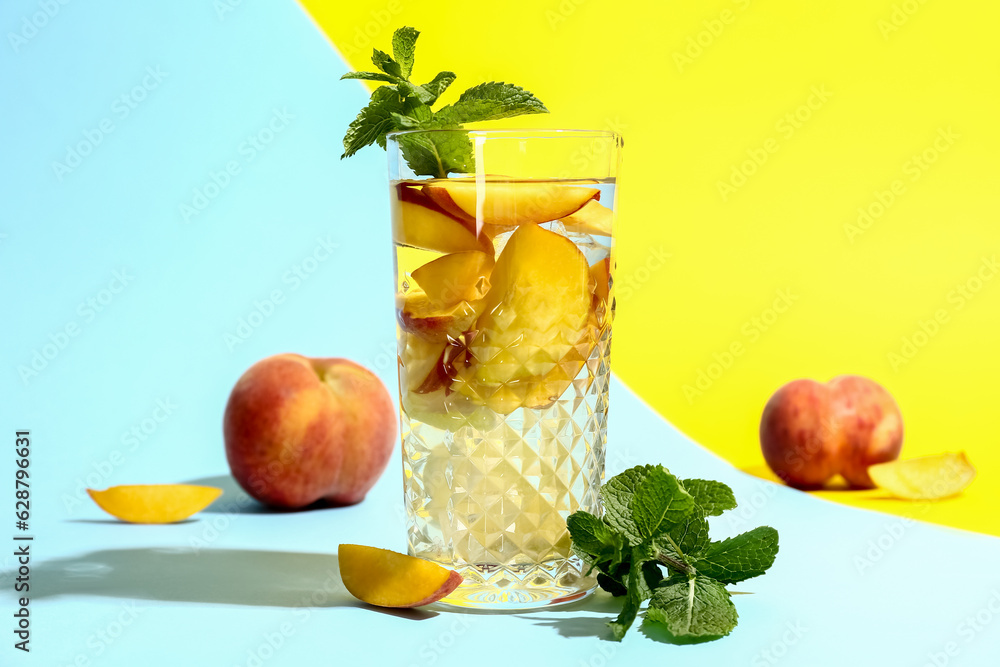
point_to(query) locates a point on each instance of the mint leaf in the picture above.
(659, 503)
(370, 76)
(611, 585)
(491, 101)
(691, 535)
(615, 574)
(373, 122)
(698, 607)
(633, 599)
(404, 122)
(594, 538)
(385, 63)
(404, 43)
(618, 493)
(713, 497)
(419, 93)
(439, 84)
(645, 501)
(741, 557)
(651, 577)
(437, 153)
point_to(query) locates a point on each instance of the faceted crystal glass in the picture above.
(504, 302)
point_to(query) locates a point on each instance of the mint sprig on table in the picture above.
(404, 105)
(652, 544)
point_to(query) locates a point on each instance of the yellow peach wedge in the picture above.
(154, 503)
(423, 364)
(537, 327)
(460, 276)
(420, 316)
(499, 201)
(594, 218)
(537, 309)
(600, 274)
(925, 477)
(420, 223)
(388, 579)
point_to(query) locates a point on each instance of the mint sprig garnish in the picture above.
(404, 105)
(653, 544)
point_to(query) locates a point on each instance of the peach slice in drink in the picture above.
(535, 392)
(154, 503)
(420, 316)
(421, 223)
(451, 279)
(423, 364)
(535, 317)
(498, 201)
(537, 309)
(600, 274)
(592, 218)
(388, 579)
(443, 409)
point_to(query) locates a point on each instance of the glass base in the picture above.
(496, 588)
(487, 598)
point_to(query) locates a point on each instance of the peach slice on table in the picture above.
(496, 201)
(593, 218)
(154, 503)
(460, 276)
(388, 579)
(417, 221)
(925, 477)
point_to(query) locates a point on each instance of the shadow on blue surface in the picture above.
(660, 633)
(235, 499)
(117, 522)
(220, 576)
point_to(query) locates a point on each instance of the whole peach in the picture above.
(810, 431)
(298, 430)
(871, 426)
(798, 435)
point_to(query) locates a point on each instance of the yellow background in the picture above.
(695, 86)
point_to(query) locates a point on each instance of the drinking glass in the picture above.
(504, 302)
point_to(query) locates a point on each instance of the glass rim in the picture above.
(516, 133)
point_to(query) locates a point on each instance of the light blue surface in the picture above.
(849, 587)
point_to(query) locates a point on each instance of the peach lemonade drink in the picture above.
(504, 305)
